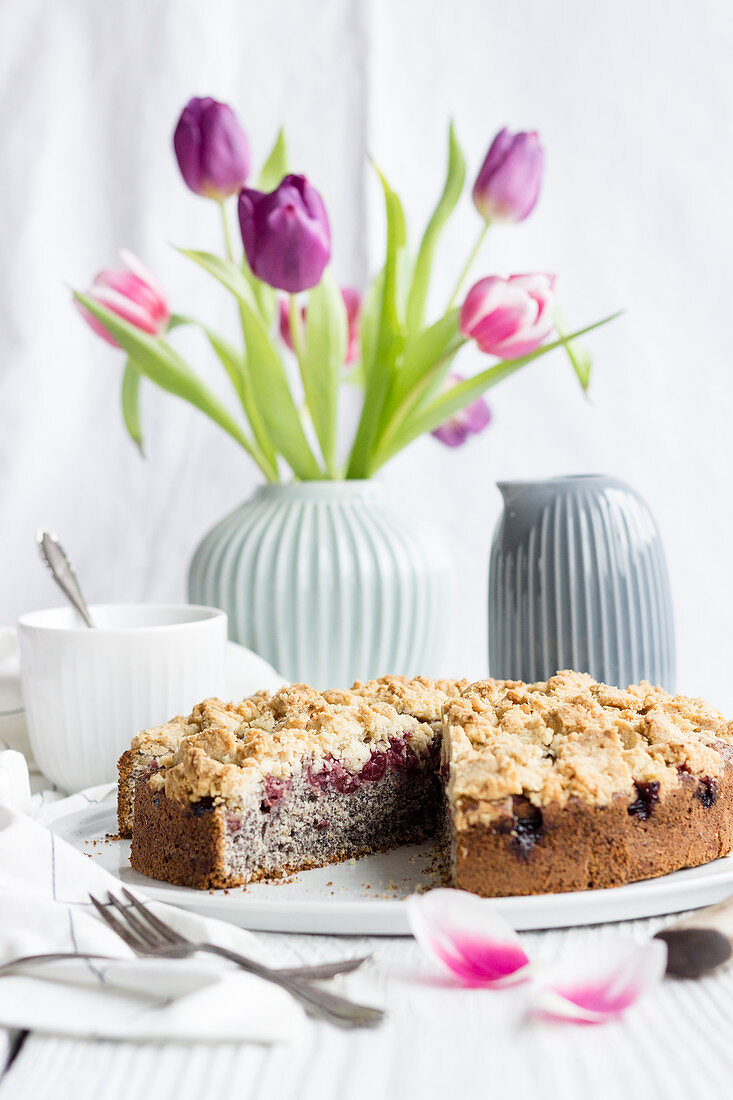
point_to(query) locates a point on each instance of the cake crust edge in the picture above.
(583, 847)
(173, 843)
(125, 791)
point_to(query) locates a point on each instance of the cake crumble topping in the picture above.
(295, 729)
(421, 697)
(570, 737)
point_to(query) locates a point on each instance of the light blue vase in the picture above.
(328, 581)
(578, 579)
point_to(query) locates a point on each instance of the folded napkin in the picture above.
(44, 907)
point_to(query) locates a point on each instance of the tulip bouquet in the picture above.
(303, 336)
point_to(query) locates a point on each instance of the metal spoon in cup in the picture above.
(59, 566)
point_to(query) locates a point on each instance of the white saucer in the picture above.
(366, 897)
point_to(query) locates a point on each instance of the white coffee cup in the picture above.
(88, 692)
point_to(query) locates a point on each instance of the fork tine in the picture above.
(149, 938)
(116, 925)
(164, 929)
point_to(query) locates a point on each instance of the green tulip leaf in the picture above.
(240, 285)
(272, 394)
(579, 356)
(231, 358)
(353, 375)
(276, 165)
(233, 361)
(321, 360)
(425, 363)
(226, 271)
(369, 324)
(385, 350)
(157, 360)
(264, 295)
(454, 181)
(427, 417)
(131, 404)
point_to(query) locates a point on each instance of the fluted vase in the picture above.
(328, 581)
(578, 579)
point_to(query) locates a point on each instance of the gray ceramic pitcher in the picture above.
(578, 580)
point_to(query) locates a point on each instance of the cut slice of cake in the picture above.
(573, 785)
(305, 782)
(421, 698)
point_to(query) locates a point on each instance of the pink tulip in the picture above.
(352, 301)
(467, 421)
(133, 294)
(509, 317)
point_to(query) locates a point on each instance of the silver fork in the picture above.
(148, 935)
(312, 973)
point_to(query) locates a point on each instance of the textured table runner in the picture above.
(438, 1042)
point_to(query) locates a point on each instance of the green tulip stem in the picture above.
(469, 264)
(297, 332)
(297, 338)
(269, 461)
(227, 231)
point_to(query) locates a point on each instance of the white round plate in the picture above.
(366, 896)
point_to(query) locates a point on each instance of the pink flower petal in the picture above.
(136, 267)
(132, 288)
(464, 933)
(124, 307)
(501, 325)
(486, 295)
(538, 283)
(598, 983)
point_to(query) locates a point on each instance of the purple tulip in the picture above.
(286, 234)
(474, 418)
(508, 185)
(211, 148)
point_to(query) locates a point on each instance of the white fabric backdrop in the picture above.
(635, 107)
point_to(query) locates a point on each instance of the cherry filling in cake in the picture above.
(326, 814)
(707, 792)
(648, 796)
(524, 826)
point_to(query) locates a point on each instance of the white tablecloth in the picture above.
(438, 1042)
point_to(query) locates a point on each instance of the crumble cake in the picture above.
(536, 788)
(574, 785)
